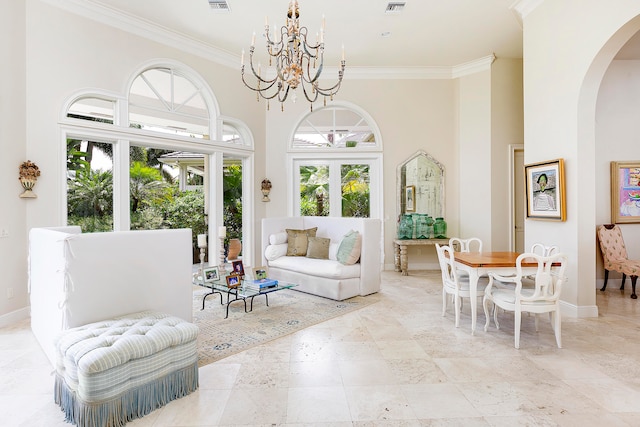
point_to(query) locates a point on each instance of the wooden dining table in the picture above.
(478, 264)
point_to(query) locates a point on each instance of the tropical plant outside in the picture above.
(315, 190)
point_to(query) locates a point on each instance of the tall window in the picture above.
(337, 162)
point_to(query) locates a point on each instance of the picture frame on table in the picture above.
(211, 274)
(237, 268)
(410, 198)
(545, 190)
(234, 280)
(625, 192)
(260, 273)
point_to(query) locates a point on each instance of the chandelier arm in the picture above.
(306, 94)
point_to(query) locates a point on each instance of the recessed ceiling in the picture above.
(425, 32)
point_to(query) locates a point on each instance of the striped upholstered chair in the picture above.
(614, 256)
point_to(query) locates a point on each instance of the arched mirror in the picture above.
(420, 185)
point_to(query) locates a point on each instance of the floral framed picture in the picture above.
(545, 186)
(211, 274)
(410, 198)
(625, 192)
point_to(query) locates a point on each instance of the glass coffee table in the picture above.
(246, 290)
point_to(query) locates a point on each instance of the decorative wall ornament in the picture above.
(29, 173)
(266, 189)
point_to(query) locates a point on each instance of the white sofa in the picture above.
(76, 279)
(328, 277)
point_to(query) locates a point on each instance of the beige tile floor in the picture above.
(394, 363)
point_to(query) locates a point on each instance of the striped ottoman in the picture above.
(113, 371)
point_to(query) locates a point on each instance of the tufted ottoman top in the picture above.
(100, 346)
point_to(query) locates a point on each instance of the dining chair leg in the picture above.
(557, 320)
(457, 308)
(606, 277)
(518, 321)
(444, 302)
(485, 306)
(624, 278)
(495, 316)
(633, 287)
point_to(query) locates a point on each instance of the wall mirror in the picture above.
(420, 185)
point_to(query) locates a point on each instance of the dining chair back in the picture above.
(615, 258)
(543, 297)
(541, 249)
(453, 283)
(472, 244)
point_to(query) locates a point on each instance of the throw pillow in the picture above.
(318, 248)
(298, 241)
(272, 252)
(278, 238)
(350, 247)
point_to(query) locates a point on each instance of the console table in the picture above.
(400, 250)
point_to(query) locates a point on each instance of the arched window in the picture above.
(336, 164)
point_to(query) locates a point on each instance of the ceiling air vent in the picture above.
(395, 7)
(219, 5)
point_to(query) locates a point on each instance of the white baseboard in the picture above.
(14, 316)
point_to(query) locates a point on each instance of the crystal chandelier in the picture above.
(298, 63)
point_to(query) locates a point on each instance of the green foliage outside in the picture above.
(314, 190)
(155, 201)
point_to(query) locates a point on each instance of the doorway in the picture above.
(517, 193)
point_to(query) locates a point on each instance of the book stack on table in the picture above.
(262, 284)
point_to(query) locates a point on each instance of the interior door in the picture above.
(518, 199)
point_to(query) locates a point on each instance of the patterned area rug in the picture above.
(288, 311)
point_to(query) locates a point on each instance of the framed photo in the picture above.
(545, 188)
(238, 268)
(211, 274)
(625, 192)
(260, 273)
(233, 280)
(410, 198)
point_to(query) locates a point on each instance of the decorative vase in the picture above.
(422, 227)
(265, 187)
(28, 184)
(440, 228)
(235, 246)
(405, 229)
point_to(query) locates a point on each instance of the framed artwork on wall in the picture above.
(410, 198)
(625, 192)
(545, 186)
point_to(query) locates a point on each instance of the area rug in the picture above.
(289, 311)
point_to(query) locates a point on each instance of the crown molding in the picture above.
(96, 11)
(522, 8)
(147, 29)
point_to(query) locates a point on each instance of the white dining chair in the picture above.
(543, 297)
(472, 244)
(454, 284)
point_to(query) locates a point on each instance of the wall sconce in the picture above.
(28, 177)
(266, 189)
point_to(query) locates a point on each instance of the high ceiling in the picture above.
(427, 33)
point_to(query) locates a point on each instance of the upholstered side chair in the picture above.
(615, 258)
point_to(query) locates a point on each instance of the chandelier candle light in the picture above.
(298, 62)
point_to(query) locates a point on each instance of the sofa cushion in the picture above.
(316, 267)
(272, 252)
(350, 247)
(298, 241)
(318, 247)
(278, 238)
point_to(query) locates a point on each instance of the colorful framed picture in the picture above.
(625, 192)
(234, 280)
(410, 198)
(545, 186)
(211, 274)
(260, 273)
(238, 268)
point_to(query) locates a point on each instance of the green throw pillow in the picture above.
(318, 248)
(298, 241)
(349, 249)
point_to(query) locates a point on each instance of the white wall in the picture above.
(568, 45)
(13, 248)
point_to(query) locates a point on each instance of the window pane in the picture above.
(314, 190)
(90, 185)
(333, 127)
(232, 199)
(94, 109)
(354, 180)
